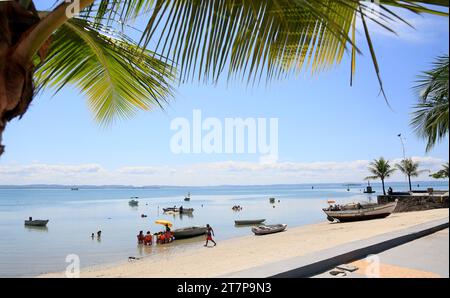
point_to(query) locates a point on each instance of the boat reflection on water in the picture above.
(36, 228)
(180, 215)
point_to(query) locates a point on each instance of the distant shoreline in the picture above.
(343, 184)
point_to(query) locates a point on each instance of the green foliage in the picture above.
(431, 118)
(380, 168)
(117, 77)
(442, 174)
(409, 167)
(251, 39)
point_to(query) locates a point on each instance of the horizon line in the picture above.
(87, 186)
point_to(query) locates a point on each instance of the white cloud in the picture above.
(215, 173)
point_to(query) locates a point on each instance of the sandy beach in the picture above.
(250, 251)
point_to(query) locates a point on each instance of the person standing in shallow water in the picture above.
(209, 235)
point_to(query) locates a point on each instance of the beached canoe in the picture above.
(269, 229)
(36, 223)
(360, 212)
(189, 232)
(249, 222)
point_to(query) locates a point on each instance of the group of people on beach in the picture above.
(168, 236)
(146, 239)
(161, 237)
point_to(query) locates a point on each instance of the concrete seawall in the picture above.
(416, 202)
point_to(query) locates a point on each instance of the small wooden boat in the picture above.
(189, 232)
(357, 212)
(169, 209)
(369, 190)
(178, 210)
(249, 222)
(133, 203)
(36, 223)
(269, 229)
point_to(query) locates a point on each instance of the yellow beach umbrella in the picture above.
(163, 222)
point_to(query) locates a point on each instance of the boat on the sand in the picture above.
(357, 212)
(249, 222)
(36, 223)
(189, 232)
(269, 229)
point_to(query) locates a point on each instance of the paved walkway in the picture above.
(427, 257)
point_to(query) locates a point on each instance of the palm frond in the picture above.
(113, 72)
(254, 38)
(380, 168)
(431, 116)
(409, 167)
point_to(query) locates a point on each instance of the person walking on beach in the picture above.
(209, 235)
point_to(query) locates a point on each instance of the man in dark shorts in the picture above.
(209, 235)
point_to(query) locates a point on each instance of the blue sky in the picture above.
(328, 131)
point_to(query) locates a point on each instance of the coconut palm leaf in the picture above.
(113, 72)
(380, 168)
(410, 167)
(431, 116)
(254, 38)
(442, 174)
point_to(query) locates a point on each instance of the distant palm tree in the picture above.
(442, 174)
(381, 169)
(430, 118)
(410, 168)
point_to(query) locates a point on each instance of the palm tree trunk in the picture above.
(409, 180)
(16, 93)
(16, 76)
(23, 34)
(382, 183)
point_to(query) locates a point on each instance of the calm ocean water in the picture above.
(74, 215)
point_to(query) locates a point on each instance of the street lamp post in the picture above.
(403, 145)
(404, 151)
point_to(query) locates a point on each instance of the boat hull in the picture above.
(249, 222)
(177, 210)
(270, 229)
(189, 232)
(375, 212)
(36, 223)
